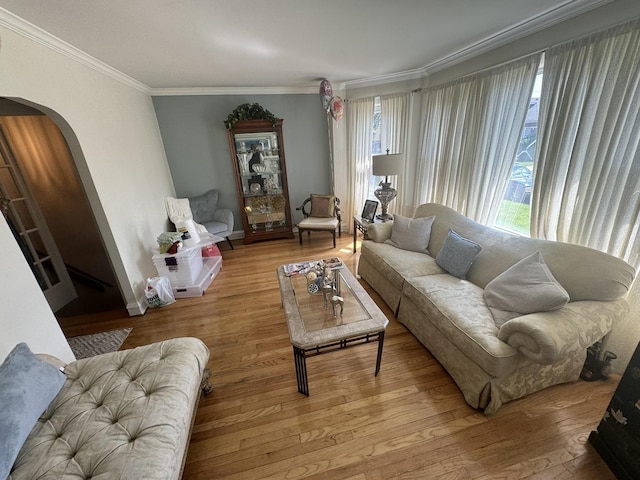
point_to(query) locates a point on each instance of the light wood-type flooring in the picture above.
(409, 422)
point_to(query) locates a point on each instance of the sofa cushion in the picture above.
(125, 414)
(396, 264)
(458, 310)
(526, 287)
(603, 277)
(457, 254)
(411, 233)
(27, 386)
(323, 205)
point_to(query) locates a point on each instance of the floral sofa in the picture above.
(560, 299)
(126, 414)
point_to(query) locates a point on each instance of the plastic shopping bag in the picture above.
(158, 292)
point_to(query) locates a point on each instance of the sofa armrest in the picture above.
(379, 232)
(548, 337)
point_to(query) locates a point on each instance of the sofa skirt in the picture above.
(481, 390)
(387, 291)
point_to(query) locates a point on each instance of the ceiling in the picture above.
(183, 44)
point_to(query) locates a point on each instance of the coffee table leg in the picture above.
(300, 360)
(355, 236)
(380, 344)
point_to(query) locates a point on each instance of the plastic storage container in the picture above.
(181, 268)
(210, 270)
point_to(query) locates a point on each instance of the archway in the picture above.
(47, 150)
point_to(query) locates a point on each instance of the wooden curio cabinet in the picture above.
(257, 154)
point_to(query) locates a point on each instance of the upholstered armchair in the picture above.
(217, 221)
(323, 215)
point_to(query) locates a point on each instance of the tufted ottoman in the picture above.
(126, 414)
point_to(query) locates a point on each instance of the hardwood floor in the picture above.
(410, 422)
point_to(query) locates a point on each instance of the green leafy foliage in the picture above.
(249, 111)
(514, 216)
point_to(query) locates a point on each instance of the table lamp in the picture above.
(384, 166)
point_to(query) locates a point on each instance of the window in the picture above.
(376, 145)
(515, 210)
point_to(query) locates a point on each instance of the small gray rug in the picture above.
(98, 343)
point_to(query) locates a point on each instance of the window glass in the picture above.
(516, 205)
(376, 146)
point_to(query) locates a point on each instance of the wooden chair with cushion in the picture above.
(324, 215)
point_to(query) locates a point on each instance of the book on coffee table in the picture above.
(333, 263)
(299, 268)
(302, 268)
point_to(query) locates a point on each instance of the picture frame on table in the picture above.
(369, 210)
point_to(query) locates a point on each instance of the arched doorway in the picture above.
(60, 213)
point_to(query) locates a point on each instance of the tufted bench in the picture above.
(126, 414)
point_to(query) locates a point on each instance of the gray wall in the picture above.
(197, 148)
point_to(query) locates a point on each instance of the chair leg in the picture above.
(300, 235)
(229, 242)
(334, 238)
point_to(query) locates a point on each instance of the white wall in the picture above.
(113, 134)
(25, 317)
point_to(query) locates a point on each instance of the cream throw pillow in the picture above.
(526, 287)
(411, 233)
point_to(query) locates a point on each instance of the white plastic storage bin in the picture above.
(182, 268)
(211, 268)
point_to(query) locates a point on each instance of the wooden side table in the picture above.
(362, 225)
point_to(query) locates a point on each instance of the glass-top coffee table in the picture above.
(315, 329)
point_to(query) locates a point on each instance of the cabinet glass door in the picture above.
(262, 185)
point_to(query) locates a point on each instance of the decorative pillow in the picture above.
(27, 387)
(411, 233)
(526, 287)
(457, 254)
(322, 205)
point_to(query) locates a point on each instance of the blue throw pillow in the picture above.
(27, 387)
(457, 254)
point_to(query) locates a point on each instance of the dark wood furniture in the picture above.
(257, 155)
(323, 224)
(362, 225)
(617, 438)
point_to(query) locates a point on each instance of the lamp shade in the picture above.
(387, 164)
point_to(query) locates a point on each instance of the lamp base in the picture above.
(385, 194)
(384, 217)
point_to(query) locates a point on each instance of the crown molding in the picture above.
(388, 78)
(569, 9)
(304, 90)
(38, 35)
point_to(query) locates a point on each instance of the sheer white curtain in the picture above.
(587, 175)
(395, 111)
(472, 128)
(359, 136)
